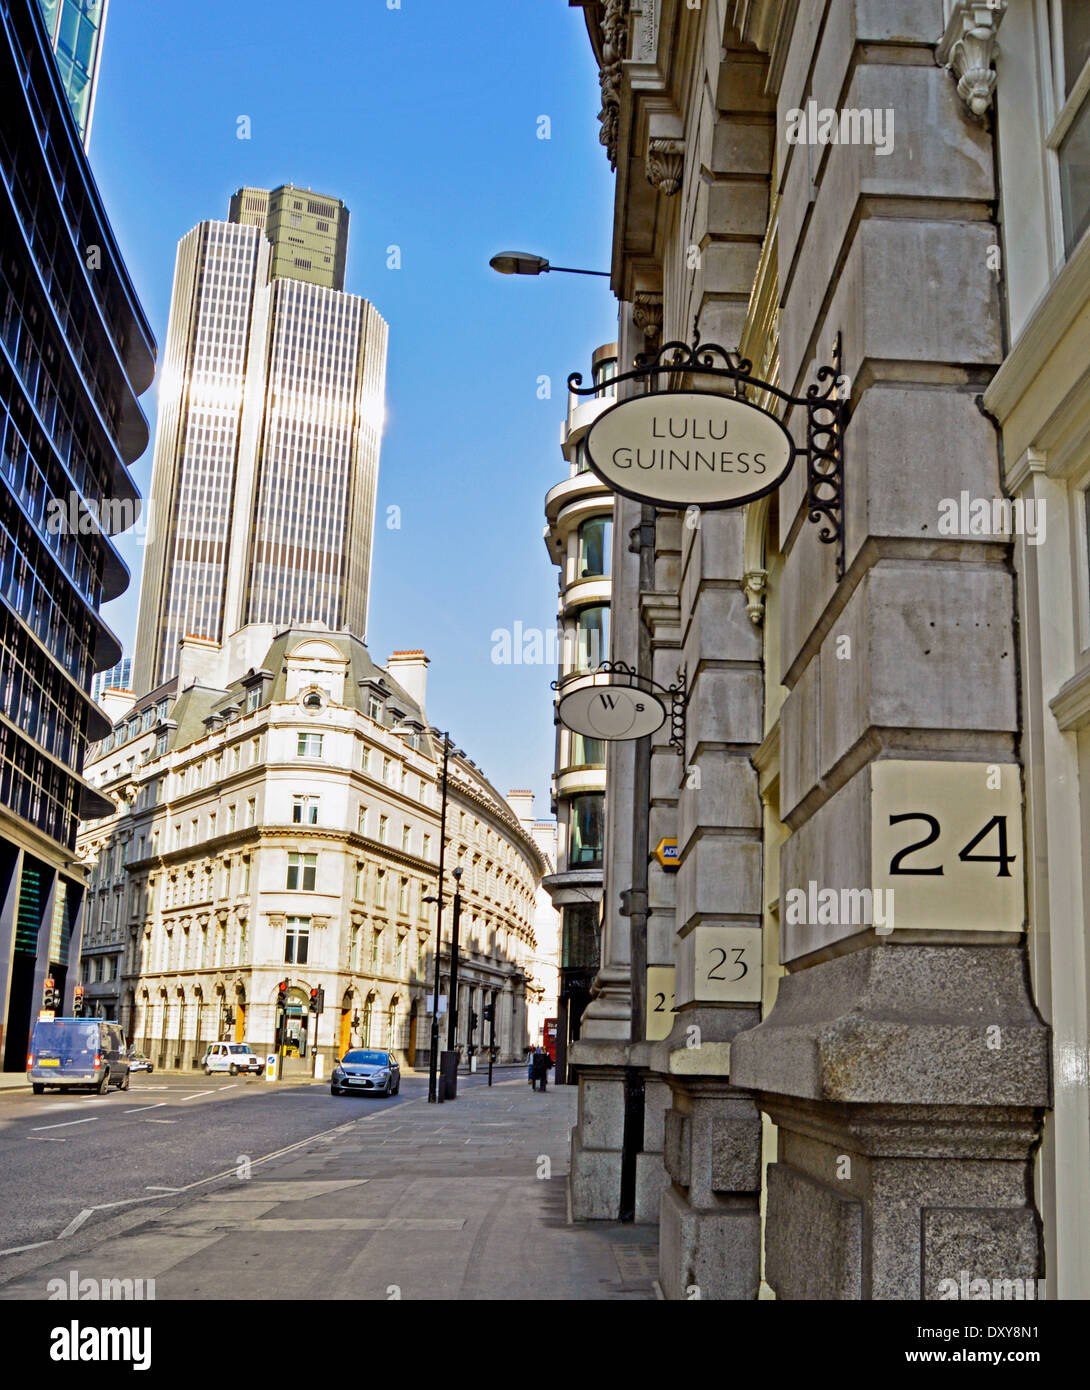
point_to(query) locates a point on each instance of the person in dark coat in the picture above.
(540, 1069)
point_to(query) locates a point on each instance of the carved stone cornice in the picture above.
(665, 160)
(968, 47)
(647, 316)
(614, 25)
(277, 920)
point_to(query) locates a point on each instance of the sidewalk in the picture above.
(467, 1200)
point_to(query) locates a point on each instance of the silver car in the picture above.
(377, 1073)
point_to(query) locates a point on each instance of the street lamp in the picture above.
(526, 263)
(433, 1054)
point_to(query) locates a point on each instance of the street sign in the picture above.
(270, 1066)
(690, 448)
(46, 1015)
(666, 852)
(600, 705)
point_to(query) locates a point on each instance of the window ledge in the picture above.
(1071, 706)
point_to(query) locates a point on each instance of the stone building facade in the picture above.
(285, 824)
(854, 1112)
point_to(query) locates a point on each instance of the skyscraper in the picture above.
(75, 354)
(267, 444)
(75, 30)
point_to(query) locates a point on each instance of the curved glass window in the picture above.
(587, 751)
(592, 637)
(585, 829)
(595, 547)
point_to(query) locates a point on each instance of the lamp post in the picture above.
(526, 263)
(433, 1054)
(452, 1008)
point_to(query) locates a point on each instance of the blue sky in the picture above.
(425, 120)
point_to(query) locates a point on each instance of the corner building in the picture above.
(75, 354)
(283, 822)
(856, 1114)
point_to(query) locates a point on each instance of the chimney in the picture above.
(521, 802)
(410, 670)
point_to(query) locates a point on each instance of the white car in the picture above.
(232, 1058)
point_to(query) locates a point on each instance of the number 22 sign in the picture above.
(946, 839)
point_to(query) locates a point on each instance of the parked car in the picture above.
(364, 1070)
(140, 1061)
(232, 1058)
(77, 1052)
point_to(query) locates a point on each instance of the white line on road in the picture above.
(194, 1096)
(200, 1182)
(162, 1189)
(158, 1105)
(150, 1121)
(47, 1139)
(65, 1123)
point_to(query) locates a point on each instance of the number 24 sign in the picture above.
(946, 839)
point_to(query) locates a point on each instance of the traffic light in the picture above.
(49, 996)
(473, 1021)
(313, 1001)
(77, 1001)
(282, 993)
(488, 1013)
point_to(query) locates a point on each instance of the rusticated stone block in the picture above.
(736, 1154)
(813, 1238)
(1001, 1247)
(677, 1149)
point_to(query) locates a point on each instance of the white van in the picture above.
(232, 1058)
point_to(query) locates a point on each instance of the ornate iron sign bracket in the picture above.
(826, 405)
(672, 695)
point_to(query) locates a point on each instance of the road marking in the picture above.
(227, 1087)
(156, 1106)
(194, 1096)
(162, 1189)
(47, 1139)
(65, 1123)
(150, 1121)
(200, 1182)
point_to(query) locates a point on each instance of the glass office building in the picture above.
(75, 30)
(75, 354)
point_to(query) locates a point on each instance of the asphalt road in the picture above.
(63, 1153)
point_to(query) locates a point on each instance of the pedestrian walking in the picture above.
(539, 1069)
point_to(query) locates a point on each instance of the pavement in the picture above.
(399, 1200)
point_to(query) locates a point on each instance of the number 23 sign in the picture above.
(946, 838)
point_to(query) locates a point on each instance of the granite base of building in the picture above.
(908, 1085)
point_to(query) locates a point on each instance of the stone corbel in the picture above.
(665, 161)
(276, 920)
(647, 316)
(755, 586)
(318, 922)
(967, 49)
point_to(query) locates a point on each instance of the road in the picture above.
(64, 1153)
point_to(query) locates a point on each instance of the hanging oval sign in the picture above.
(690, 449)
(602, 707)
